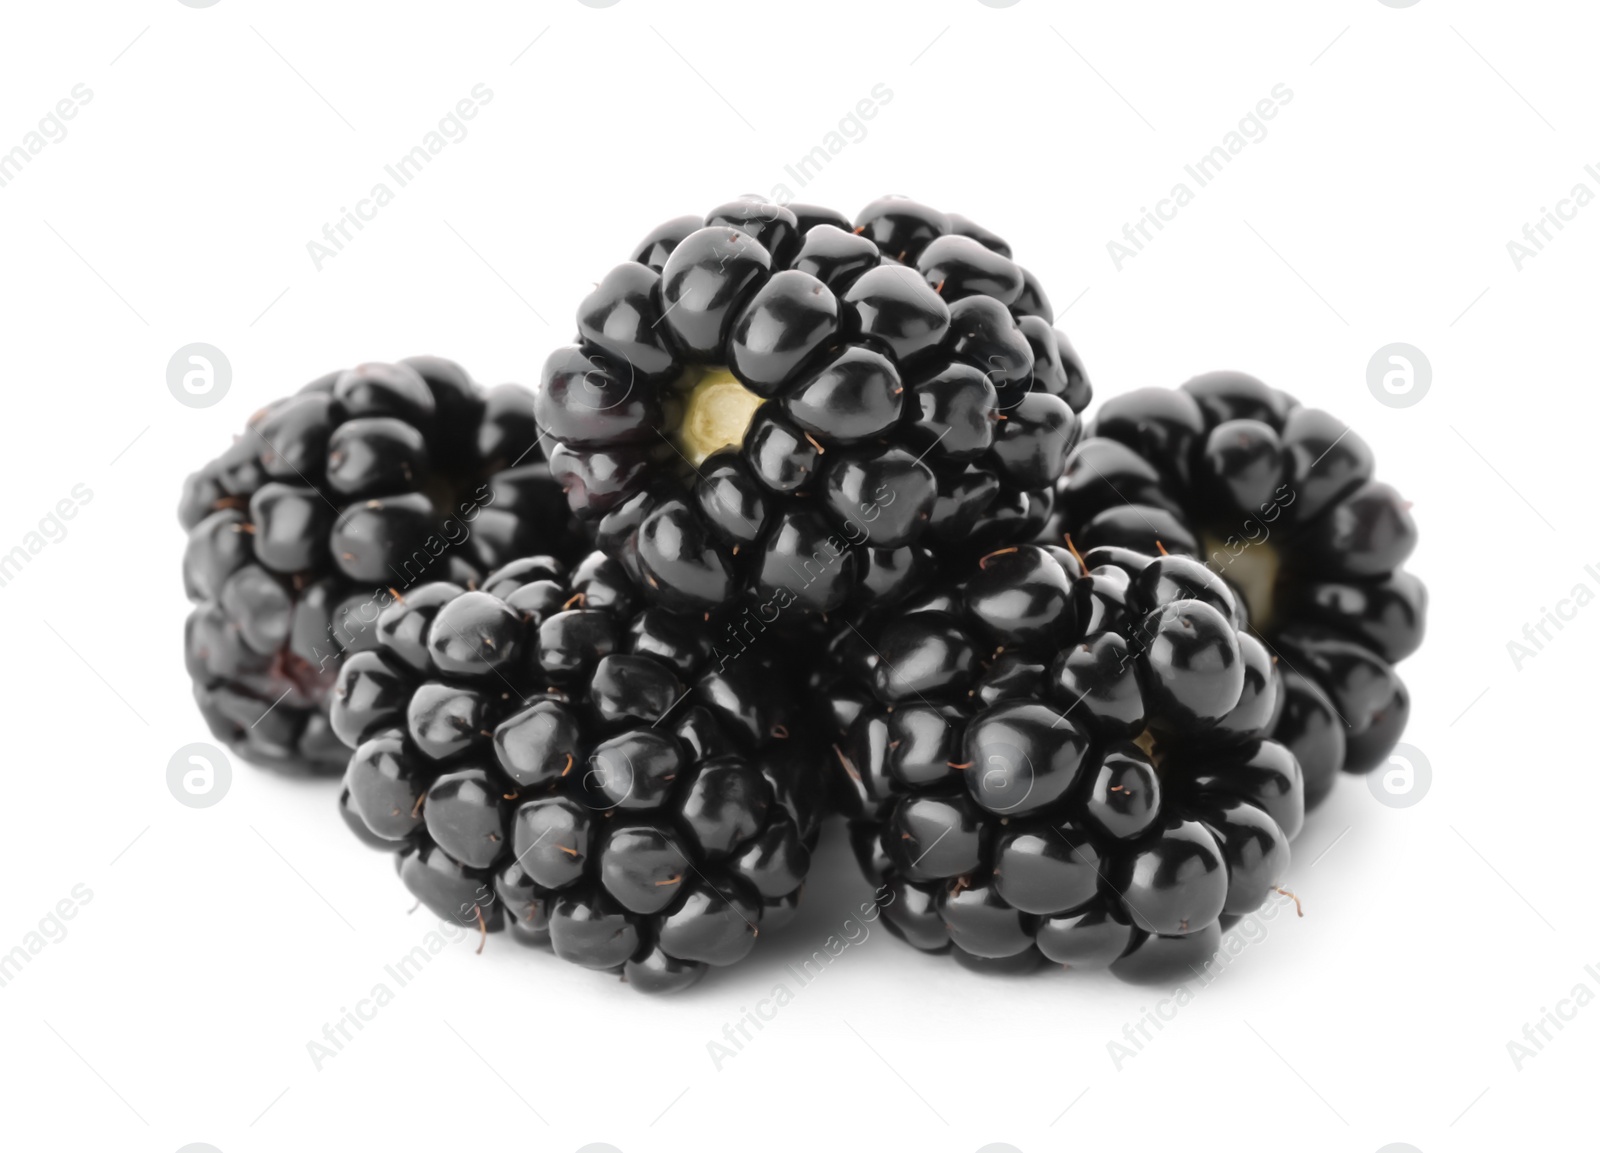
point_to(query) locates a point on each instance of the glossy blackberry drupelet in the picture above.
(361, 485)
(549, 752)
(778, 400)
(1280, 500)
(1043, 763)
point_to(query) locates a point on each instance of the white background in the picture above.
(219, 941)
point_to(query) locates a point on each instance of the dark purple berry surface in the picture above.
(364, 484)
(775, 400)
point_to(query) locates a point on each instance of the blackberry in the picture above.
(550, 753)
(362, 484)
(1048, 757)
(773, 399)
(1280, 500)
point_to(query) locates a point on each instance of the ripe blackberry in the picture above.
(775, 399)
(1280, 500)
(364, 483)
(549, 751)
(1046, 762)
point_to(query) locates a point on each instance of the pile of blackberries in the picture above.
(807, 521)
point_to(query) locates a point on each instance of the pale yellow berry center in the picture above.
(1253, 572)
(717, 410)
